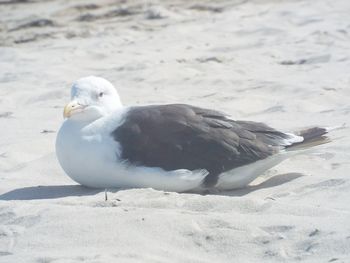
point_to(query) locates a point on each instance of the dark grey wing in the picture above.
(178, 136)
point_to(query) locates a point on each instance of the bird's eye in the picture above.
(101, 94)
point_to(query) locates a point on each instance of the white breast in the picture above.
(85, 157)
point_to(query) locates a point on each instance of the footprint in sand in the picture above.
(11, 226)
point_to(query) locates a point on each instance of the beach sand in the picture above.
(286, 63)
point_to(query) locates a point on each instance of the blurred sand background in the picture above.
(286, 63)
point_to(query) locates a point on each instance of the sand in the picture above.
(285, 63)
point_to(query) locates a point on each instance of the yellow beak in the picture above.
(72, 108)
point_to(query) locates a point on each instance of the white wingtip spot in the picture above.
(292, 139)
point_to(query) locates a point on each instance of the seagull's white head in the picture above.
(91, 98)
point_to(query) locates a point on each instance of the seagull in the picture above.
(170, 147)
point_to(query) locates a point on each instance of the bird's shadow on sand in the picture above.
(59, 191)
(48, 192)
(269, 183)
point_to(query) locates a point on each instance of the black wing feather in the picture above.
(179, 136)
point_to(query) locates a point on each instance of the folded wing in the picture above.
(179, 136)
